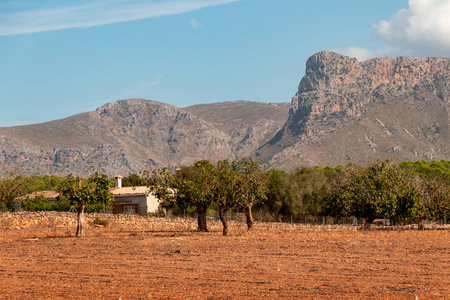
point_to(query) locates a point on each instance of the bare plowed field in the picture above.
(305, 263)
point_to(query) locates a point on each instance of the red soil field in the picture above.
(309, 262)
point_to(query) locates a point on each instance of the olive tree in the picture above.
(237, 184)
(228, 190)
(191, 186)
(82, 192)
(375, 191)
(195, 187)
(161, 183)
(254, 187)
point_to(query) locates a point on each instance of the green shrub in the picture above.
(100, 222)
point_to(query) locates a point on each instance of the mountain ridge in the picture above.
(131, 134)
(343, 111)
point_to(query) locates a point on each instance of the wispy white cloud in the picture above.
(422, 29)
(96, 14)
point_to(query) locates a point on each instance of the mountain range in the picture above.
(343, 111)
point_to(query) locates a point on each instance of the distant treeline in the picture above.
(16, 186)
(408, 192)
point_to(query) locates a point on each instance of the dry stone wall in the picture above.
(68, 219)
(51, 219)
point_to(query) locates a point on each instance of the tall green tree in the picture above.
(228, 190)
(82, 192)
(132, 180)
(436, 196)
(280, 195)
(434, 186)
(254, 186)
(195, 187)
(297, 193)
(409, 202)
(428, 169)
(375, 191)
(308, 186)
(162, 183)
(11, 187)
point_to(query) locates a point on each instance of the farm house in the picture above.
(133, 200)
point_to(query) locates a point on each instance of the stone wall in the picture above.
(51, 219)
(68, 219)
(65, 221)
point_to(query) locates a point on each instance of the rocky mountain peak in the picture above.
(323, 67)
(338, 91)
(337, 85)
(333, 72)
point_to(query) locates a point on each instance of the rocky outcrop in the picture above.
(338, 89)
(338, 94)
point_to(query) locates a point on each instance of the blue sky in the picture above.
(60, 57)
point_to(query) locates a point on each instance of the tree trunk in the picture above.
(201, 217)
(421, 225)
(249, 216)
(80, 219)
(367, 223)
(224, 220)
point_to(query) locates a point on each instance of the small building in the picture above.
(133, 200)
(48, 195)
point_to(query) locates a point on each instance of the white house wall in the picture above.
(147, 203)
(152, 204)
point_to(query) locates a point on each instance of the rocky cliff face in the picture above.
(378, 107)
(339, 89)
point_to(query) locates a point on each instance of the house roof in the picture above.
(130, 191)
(51, 195)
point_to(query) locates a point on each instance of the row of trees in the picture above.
(386, 190)
(228, 185)
(405, 192)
